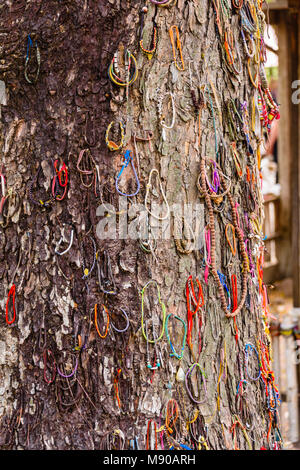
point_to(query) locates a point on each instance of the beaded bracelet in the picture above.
(188, 373)
(128, 158)
(12, 292)
(38, 60)
(110, 144)
(182, 245)
(163, 308)
(114, 66)
(174, 353)
(149, 52)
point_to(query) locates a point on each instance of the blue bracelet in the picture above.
(127, 159)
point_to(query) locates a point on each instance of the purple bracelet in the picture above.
(156, 2)
(127, 324)
(72, 373)
(190, 370)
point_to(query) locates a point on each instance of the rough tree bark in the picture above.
(46, 121)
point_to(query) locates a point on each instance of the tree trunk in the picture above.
(118, 387)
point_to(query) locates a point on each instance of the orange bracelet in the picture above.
(107, 323)
(178, 44)
(232, 247)
(116, 387)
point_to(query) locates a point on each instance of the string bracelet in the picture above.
(116, 387)
(148, 434)
(60, 179)
(198, 303)
(61, 253)
(67, 376)
(104, 309)
(178, 46)
(47, 354)
(203, 379)
(128, 159)
(12, 292)
(148, 187)
(174, 353)
(127, 323)
(27, 61)
(86, 166)
(163, 310)
(249, 351)
(213, 242)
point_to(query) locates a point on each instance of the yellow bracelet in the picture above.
(110, 144)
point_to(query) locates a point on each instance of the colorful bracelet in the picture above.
(174, 353)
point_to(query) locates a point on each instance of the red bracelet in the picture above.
(12, 292)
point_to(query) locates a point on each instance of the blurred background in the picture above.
(281, 189)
